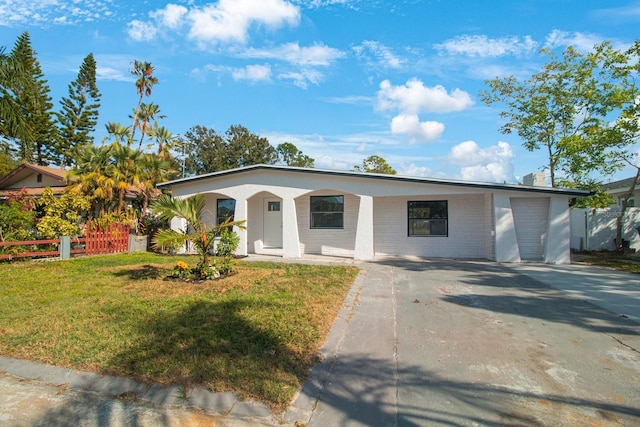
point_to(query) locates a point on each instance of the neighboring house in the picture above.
(618, 190)
(294, 211)
(33, 179)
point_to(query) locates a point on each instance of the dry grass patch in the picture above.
(255, 333)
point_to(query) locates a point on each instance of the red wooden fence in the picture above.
(111, 239)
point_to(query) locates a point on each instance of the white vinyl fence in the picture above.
(595, 229)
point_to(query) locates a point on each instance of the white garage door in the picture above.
(530, 216)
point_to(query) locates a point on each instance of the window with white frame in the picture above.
(428, 218)
(327, 211)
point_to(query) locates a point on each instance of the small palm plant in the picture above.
(201, 234)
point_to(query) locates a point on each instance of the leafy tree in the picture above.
(7, 163)
(62, 215)
(17, 218)
(207, 151)
(79, 114)
(35, 105)
(210, 152)
(201, 234)
(563, 109)
(289, 154)
(145, 80)
(375, 164)
(247, 148)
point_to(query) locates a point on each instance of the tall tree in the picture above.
(145, 80)
(375, 164)
(91, 175)
(210, 152)
(247, 148)
(206, 151)
(13, 125)
(125, 170)
(562, 109)
(35, 106)
(289, 154)
(79, 114)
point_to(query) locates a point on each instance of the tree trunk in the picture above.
(623, 210)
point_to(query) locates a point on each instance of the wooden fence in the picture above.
(112, 239)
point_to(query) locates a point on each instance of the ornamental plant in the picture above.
(198, 232)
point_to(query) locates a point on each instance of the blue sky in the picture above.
(341, 79)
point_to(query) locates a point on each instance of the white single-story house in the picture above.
(291, 211)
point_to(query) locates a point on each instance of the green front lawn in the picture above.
(255, 333)
(612, 260)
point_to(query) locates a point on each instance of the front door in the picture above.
(272, 225)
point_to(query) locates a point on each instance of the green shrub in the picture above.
(228, 243)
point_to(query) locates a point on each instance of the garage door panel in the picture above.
(530, 217)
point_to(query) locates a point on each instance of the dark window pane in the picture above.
(327, 211)
(225, 209)
(428, 218)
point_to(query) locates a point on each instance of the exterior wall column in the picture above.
(239, 215)
(557, 249)
(179, 224)
(290, 235)
(505, 230)
(364, 249)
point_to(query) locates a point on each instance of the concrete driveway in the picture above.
(474, 343)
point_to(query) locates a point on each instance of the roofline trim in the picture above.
(367, 175)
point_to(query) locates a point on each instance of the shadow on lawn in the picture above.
(141, 272)
(215, 345)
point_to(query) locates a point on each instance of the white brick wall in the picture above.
(467, 232)
(328, 241)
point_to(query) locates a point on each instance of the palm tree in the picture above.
(147, 113)
(201, 234)
(91, 175)
(125, 170)
(153, 170)
(119, 133)
(143, 71)
(165, 139)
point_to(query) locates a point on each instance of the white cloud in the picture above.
(224, 21)
(411, 126)
(485, 47)
(253, 73)
(172, 16)
(293, 53)
(413, 170)
(491, 164)
(302, 78)
(44, 13)
(581, 41)
(141, 31)
(414, 98)
(383, 57)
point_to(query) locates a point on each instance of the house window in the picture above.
(327, 211)
(39, 177)
(428, 218)
(273, 206)
(225, 209)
